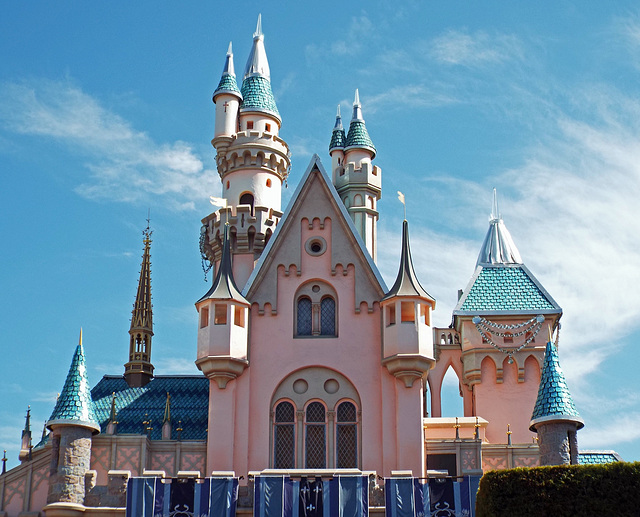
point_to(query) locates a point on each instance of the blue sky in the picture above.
(105, 112)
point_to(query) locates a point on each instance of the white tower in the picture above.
(357, 181)
(253, 162)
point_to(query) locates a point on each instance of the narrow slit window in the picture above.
(238, 316)
(391, 315)
(204, 317)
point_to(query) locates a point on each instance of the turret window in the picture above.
(220, 317)
(408, 313)
(269, 182)
(204, 317)
(238, 316)
(391, 315)
(267, 128)
(249, 124)
(247, 199)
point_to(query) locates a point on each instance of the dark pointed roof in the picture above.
(338, 137)
(554, 402)
(228, 82)
(407, 283)
(142, 314)
(224, 286)
(75, 405)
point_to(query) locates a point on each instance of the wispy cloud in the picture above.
(360, 30)
(125, 165)
(459, 47)
(175, 366)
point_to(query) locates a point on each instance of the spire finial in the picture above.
(80, 338)
(338, 111)
(495, 212)
(258, 32)
(356, 101)
(401, 199)
(230, 49)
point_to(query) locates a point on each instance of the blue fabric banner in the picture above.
(341, 496)
(439, 497)
(158, 497)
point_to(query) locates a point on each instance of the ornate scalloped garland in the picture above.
(486, 327)
(206, 264)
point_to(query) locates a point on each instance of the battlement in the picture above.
(252, 149)
(367, 174)
(249, 231)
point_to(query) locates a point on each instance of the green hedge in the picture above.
(575, 490)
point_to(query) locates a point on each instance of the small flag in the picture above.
(218, 201)
(401, 197)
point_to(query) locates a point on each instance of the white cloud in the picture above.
(459, 47)
(360, 30)
(175, 366)
(125, 165)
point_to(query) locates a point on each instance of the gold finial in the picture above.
(457, 428)
(509, 434)
(80, 339)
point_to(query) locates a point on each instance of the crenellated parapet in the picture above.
(249, 230)
(257, 149)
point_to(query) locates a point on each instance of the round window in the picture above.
(315, 246)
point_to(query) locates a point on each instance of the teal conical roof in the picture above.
(338, 138)
(228, 82)
(74, 405)
(358, 136)
(554, 402)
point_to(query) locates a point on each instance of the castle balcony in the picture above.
(254, 149)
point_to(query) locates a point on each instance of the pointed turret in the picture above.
(223, 334)
(75, 406)
(408, 340)
(356, 179)
(253, 163)
(227, 99)
(499, 317)
(555, 417)
(139, 370)
(358, 136)
(256, 84)
(26, 445)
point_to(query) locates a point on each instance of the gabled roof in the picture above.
(74, 405)
(407, 283)
(554, 402)
(224, 286)
(189, 405)
(358, 253)
(505, 289)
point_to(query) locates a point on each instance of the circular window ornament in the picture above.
(300, 386)
(315, 246)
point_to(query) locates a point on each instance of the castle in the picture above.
(310, 363)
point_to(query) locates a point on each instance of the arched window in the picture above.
(346, 436)
(304, 316)
(315, 446)
(316, 310)
(247, 199)
(284, 436)
(328, 317)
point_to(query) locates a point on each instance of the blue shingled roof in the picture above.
(554, 401)
(227, 84)
(358, 136)
(338, 139)
(74, 405)
(189, 404)
(597, 457)
(257, 95)
(505, 287)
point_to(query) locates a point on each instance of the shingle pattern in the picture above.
(74, 403)
(597, 457)
(505, 289)
(189, 405)
(554, 398)
(257, 95)
(227, 84)
(338, 139)
(358, 136)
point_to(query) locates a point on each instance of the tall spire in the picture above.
(498, 246)
(25, 447)
(358, 136)
(74, 405)
(407, 283)
(139, 370)
(256, 84)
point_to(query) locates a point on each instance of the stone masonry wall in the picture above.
(70, 461)
(558, 443)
